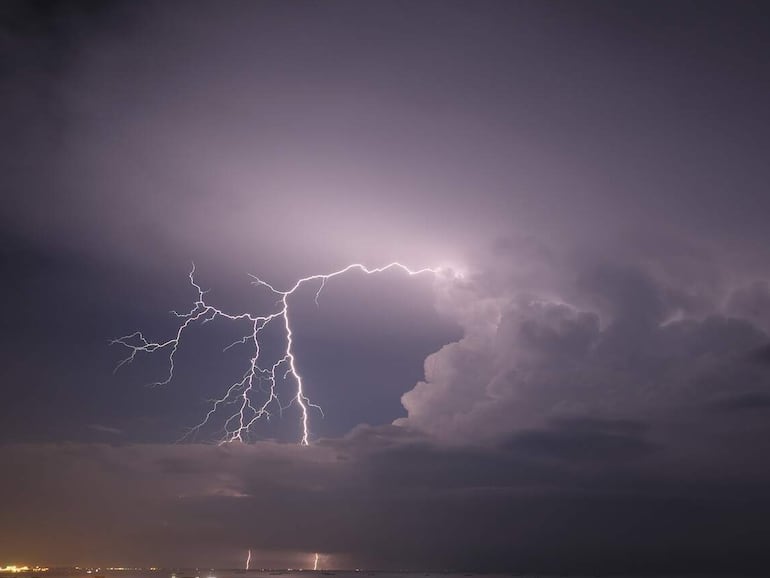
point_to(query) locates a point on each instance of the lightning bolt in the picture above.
(248, 560)
(255, 395)
(315, 562)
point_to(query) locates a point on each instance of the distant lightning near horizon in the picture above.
(252, 401)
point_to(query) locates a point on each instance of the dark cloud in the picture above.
(761, 355)
(584, 439)
(399, 501)
(745, 401)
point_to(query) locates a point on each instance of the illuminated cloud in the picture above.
(614, 343)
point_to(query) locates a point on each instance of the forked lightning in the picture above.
(252, 401)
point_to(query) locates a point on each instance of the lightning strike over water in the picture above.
(255, 395)
(315, 562)
(248, 561)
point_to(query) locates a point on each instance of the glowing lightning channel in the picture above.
(248, 561)
(243, 393)
(315, 562)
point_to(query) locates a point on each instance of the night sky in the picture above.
(587, 391)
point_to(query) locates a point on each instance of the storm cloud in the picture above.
(589, 391)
